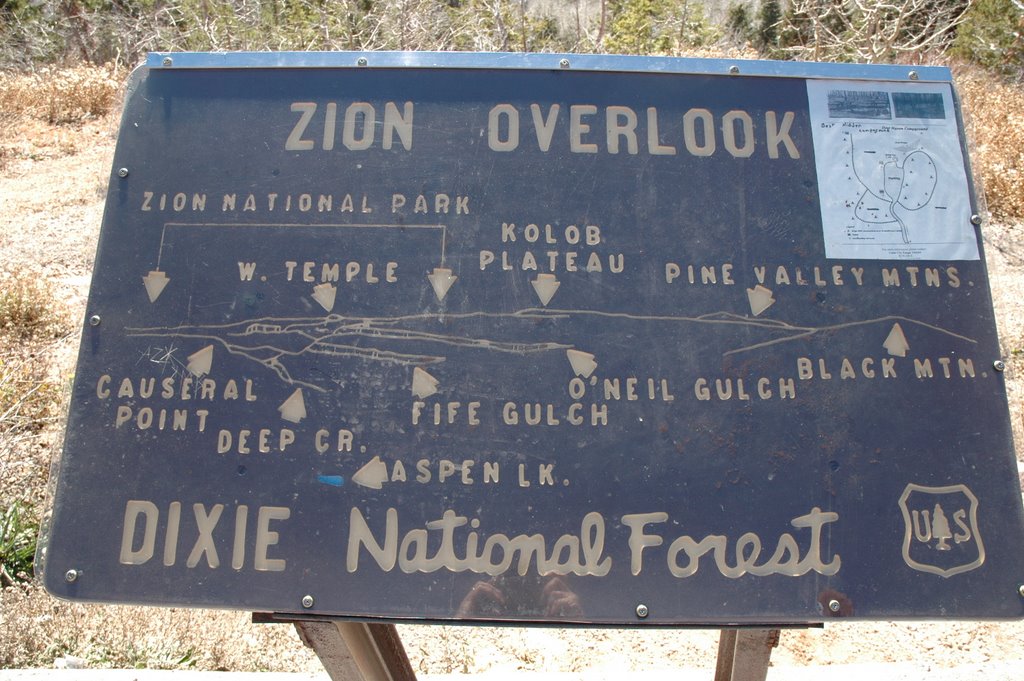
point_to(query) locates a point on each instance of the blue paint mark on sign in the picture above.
(332, 480)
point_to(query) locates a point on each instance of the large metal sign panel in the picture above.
(588, 342)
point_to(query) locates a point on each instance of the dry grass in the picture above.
(996, 121)
(29, 403)
(58, 95)
(52, 96)
(26, 307)
(8, 123)
(30, 398)
(41, 629)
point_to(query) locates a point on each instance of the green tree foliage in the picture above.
(767, 35)
(635, 27)
(17, 545)
(503, 26)
(738, 24)
(990, 32)
(992, 35)
(871, 30)
(811, 26)
(656, 27)
(122, 31)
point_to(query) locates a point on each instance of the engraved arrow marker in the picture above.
(373, 474)
(441, 279)
(583, 363)
(760, 299)
(294, 408)
(896, 343)
(325, 294)
(155, 282)
(545, 285)
(423, 384)
(200, 362)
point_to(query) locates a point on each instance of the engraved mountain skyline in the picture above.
(278, 343)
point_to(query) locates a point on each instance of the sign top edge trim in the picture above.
(546, 62)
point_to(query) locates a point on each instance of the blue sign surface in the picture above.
(540, 344)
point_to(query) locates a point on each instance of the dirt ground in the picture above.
(51, 203)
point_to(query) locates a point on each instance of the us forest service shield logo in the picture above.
(941, 529)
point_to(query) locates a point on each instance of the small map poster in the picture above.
(890, 171)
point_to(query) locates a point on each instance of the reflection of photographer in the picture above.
(522, 596)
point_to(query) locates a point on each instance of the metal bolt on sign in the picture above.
(734, 69)
(912, 75)
(122, 172)
(642, 611)
(307, 601)
(1020, 590)
(975, 219)
(564, 63)
(94, 320)
(999, 365)
(71, 576)
(361, 61)
(834, 605)
(168, 61)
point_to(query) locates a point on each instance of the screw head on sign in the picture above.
(1020, 590)
(734, 69)
(168, 61)
(834, 605)
(912, 75)
(122, 172)
(307, 601)
(975, 219)
(999, 365)
(94, 320)
(564, 63)
(642, 611)
(70, 576)
(361, 61)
